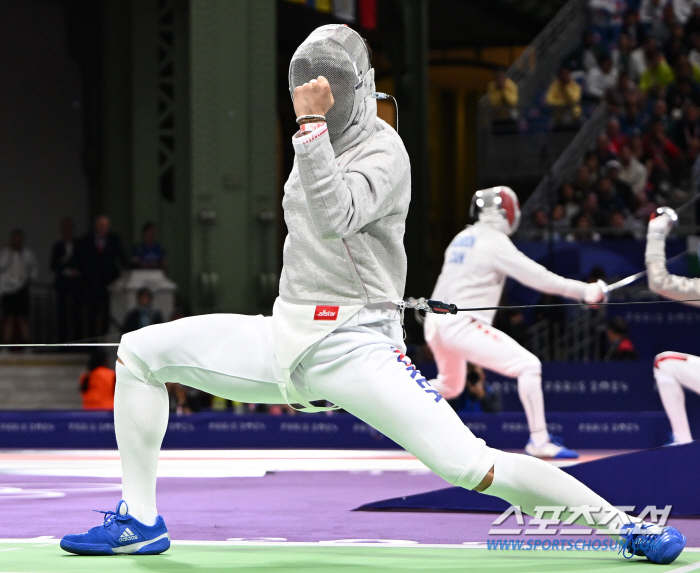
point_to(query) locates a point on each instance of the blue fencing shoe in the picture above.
(120, 534)
(658, 544)
(553, 449)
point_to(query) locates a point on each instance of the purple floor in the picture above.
(296, 506)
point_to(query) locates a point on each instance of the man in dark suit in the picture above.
(100, 255)
(64, 264)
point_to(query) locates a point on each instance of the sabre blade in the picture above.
(626, 281)
(630, 279)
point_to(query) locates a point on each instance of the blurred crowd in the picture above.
(642, 59)
(83, 269)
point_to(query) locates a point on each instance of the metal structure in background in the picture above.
(580, 336)
(405, 28)
(167, 112)
(526, 157)
(566, 165)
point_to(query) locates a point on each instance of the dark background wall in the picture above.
(41, 137)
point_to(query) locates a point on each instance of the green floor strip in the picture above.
(26, 558)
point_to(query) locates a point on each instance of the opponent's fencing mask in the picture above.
(498, 207)
(339, 54)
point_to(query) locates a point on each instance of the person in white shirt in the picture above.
(477, 263)
(18, 267)
(601, 78)
(651, 10)
(632, 171)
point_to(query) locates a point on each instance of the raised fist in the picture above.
(661, 221)
(313, 98)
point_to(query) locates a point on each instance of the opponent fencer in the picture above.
(477, 263)
(673, 371)
(335, 333)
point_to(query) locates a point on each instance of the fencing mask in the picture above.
(339, 54)
(498, 207)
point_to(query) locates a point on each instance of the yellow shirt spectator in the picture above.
(503, 94)
(657, 74)
(564, 95)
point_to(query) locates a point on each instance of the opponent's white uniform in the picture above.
(673, 371)
(477, 263)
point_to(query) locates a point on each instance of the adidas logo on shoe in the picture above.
(127, 535)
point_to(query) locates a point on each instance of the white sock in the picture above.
(532, 399)
(529, 482)
(673, 399)
(140, 420)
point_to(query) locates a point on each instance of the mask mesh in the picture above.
(339, 54)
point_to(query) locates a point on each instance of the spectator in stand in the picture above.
(640, 57)
(503, 95)
(651, 10)
(143, 314)
(98, 383)
(591, 210)
(637, 145)
(582, 230)
(586, 55)
(148, 254)
(632, 28)
(694, 54)
(615, 136)
(583, 183)
(659, 111)
(18, 267)
(623, 91)
(564, 97)
(657, 76)
(692, 25)
(600, 78)
(542, 230)
(685, 90)
(663, 157)
(686, 134)
(608, 201)
(632, 120)
(620, 187)
(662, 29)
(633, 172)
(618, 227)
(567, 199)
(680, 9)
(622, 54)
(590, 160)
(621, 347)
(64, 264)
(675, 47)
(100, 254)
(560, 222)
(604, 150)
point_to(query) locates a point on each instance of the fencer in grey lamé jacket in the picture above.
(663, 283)
(345, 206)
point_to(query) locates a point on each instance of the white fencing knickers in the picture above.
(463, 339)
(360, 368)
(674, 371)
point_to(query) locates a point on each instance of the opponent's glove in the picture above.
(661, 222)
(595, 292)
